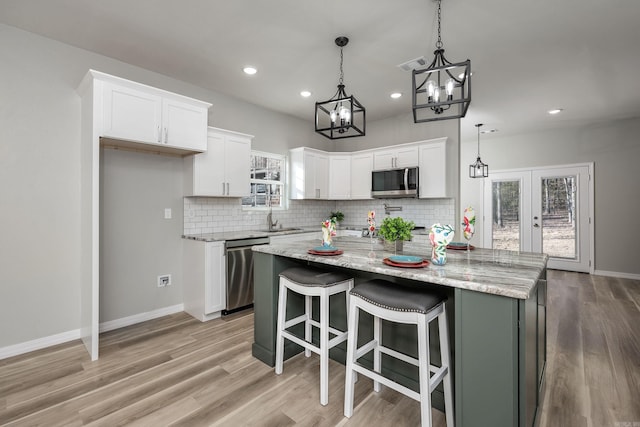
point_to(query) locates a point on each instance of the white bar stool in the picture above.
(311, 283)
(400, 304)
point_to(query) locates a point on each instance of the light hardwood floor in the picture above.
(178, 371)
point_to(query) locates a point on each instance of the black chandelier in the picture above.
(441, 91)
(341, 116)
(478, 169)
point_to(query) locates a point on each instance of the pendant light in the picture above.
(478, 169)
(342, 116)
(441, 91)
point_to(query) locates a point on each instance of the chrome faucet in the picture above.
(388, 209)
(270, 223)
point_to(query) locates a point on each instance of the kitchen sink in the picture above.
(276, 230)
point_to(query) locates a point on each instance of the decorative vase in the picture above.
(326, 237)
(440, 236)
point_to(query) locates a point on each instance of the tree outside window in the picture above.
(267, 181)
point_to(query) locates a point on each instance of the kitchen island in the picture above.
(497, 310)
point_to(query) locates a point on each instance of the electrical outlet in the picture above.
(167, 213)
(164, 280)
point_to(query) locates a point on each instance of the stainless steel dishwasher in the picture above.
(240, 273)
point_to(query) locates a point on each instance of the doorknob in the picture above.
(535, 217)
(536, 225)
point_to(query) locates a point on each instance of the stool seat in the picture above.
(305, 276)
(397, 297)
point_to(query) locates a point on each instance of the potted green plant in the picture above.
(394, 231)
(339, 216)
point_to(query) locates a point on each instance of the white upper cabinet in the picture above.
(142, 115)
(184, 125)
(131, 114)
(224, 169)
(433, 170)
(361, 167)
(309, 174)
(348, 175)
(395, 157)
(340, 176)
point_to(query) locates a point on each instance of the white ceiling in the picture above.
(526, 56)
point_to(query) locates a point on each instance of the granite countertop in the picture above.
(249, 234)
(499, 272)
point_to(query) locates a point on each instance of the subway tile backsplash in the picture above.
(217, 214)
(424, 212)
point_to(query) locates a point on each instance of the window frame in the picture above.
(282, 182)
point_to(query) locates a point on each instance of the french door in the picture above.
(542, 210)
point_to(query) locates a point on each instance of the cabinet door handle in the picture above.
(223, 188)
(227, 188)
(166, 135)
(159, 134)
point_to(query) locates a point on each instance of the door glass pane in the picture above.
(559, 217)
(506, 215)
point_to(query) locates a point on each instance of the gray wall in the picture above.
(137, 243)
(39, 188)
(613, 146)
(40, 255)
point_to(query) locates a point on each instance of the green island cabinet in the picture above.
(498, 342)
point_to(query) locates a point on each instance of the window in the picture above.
(267, 181)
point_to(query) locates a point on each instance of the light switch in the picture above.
(167, 213)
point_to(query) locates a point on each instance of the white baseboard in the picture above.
(37, 344)
(617, 274)
(141, 317)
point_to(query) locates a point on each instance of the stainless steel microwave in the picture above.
(402, 182)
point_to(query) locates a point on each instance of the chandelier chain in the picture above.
(439, 42)
(341, 71)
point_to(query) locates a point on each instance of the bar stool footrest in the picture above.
(357, 367)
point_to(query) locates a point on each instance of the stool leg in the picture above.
(352, 344)
(346, 309)
(423, 367)
(443, 329)
(308, 311)
(377, 336)
(324, 348)
(282, 315)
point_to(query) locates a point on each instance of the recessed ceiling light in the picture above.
(305, 93)
(555, 111)
(250, 70)
(396, 95)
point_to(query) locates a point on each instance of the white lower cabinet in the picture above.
(204, 279)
